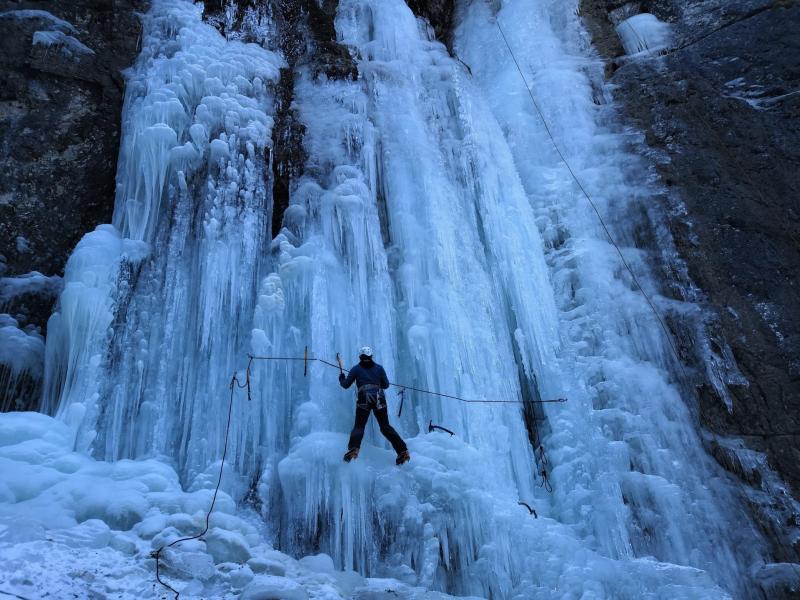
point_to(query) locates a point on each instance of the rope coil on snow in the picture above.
(157, 553)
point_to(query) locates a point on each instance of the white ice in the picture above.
(644, 33)
(64, 43)
(71, 526)
(20, 350)
(29, 283)
(42, 15)
(22, 359)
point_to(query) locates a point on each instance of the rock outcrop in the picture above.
(439, 14)
(61, 90)
(719, 108)
(305, 34)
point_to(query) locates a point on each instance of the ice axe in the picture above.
(339, 360)
(432, 427)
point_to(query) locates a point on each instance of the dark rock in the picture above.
(60, 108)
(721, 108)
(288, 155)
(439, 14)
(305, 35)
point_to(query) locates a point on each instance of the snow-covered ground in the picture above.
(75, 527)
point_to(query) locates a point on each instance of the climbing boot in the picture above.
(351, 454)
(403, 457)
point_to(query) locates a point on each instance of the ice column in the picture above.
(156, 311)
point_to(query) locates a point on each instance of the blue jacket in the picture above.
(365, 373)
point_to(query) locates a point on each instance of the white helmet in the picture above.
(365, 351)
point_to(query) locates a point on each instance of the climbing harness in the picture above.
(156, 554)
(371, 396)
(591, 202)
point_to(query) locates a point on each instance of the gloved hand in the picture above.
(341, 377)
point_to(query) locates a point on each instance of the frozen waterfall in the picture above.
(435, 222)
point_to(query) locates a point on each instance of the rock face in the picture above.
(720, 109)
(306, 36)
(439, 14)
(61, 91)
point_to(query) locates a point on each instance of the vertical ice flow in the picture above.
(161, 302)
(434, 222)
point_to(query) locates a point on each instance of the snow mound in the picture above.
(66, 44)
(30, 283)
(22, 350)
(72, 526)
(41, 15)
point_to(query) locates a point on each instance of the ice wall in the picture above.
(435, 223)
(461, 189)
(157, 307)
(644, 33)
(629, 461)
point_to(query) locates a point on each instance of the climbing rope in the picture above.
(402, 386)
(545, 481)
(13, 595)
(235, 383)
(591, 201)
(541, 459)
(157, 553)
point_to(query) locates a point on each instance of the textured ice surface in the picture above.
(43, 15)
(62, 42)
(71, 526)
(644, 33)
(20, 350)
(435, 223)
(625, 428)
(21, 359)
(30, 283)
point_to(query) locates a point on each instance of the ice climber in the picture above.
(370, 381)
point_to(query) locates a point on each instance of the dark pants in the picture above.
(362, 416)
